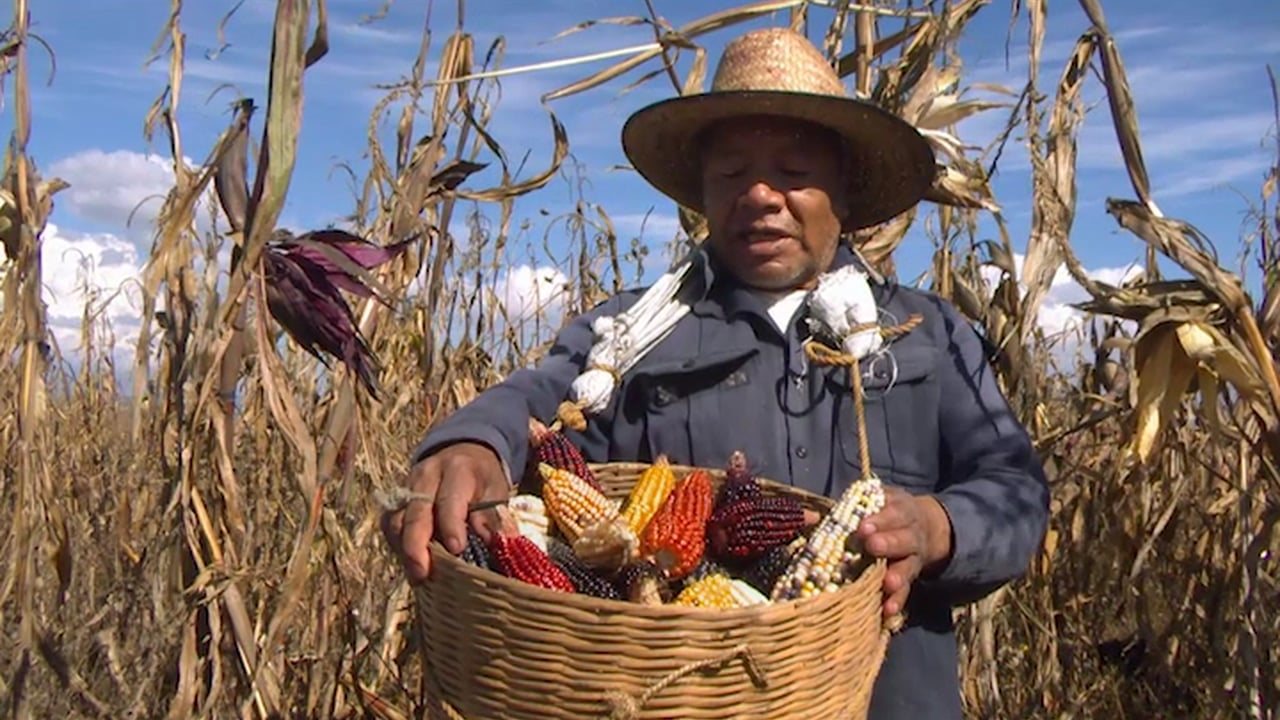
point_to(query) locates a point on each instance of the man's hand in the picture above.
(444, 484)
(913, 533)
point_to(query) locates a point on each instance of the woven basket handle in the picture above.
(626, 707)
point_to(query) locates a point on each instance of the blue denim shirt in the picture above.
(726, 379)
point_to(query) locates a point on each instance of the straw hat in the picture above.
(779, 72)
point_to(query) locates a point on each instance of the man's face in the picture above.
(773, 199)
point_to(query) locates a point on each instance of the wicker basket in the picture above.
(496, 648)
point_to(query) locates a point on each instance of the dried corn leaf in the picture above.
(1164, 376)
(947, 110)
(508, 191)
(1124, 113)
(625, 21)
(1207, 345)
(682, 35)
(953, 188)
(231, 171)
(1053, 182)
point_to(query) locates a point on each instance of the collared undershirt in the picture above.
(782, 305)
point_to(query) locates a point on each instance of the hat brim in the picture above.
(892, 164)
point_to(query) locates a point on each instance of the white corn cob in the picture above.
(821, 564)
(745, 595)
(607, 544)
(531, 518)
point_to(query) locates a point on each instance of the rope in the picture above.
(625, 707)
(825, 356)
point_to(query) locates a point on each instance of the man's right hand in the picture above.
(445, 484)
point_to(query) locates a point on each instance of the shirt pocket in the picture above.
(690, 407)
(900, 389)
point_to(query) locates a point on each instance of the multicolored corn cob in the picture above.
(585, 580)
(475, 553)
(518, 558)
(643, 582)
(675, 537)
(557, 450)
(823, 564)
(738, 481)
(530, 514)
(648, 494)
(572, 503)
(749, 527)
(713, 591)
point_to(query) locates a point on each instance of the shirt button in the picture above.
(802, 452)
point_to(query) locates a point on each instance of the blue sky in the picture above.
(1198, 71)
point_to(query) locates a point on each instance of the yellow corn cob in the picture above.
(572, 503)
(825, 563)
(531, 518)
(648, 494)
(607, 544)
(712, 591)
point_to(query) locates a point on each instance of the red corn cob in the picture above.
(750, 527)
(555, 449)
(738, 481)
(518, 558)
(676, 536)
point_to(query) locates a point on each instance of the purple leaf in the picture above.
(347, 259)
(302, 298)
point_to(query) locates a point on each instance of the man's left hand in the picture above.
(913, 533)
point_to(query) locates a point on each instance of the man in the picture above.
(782, 164)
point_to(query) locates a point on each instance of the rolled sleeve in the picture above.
(993, 486)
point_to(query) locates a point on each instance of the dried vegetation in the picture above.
(204, 543)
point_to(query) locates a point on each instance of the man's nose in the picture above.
(763, 195)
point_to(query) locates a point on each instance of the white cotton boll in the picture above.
(841, 302)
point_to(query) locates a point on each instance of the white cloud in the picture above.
(98, 271)
(526, 292)
(647, 226)
(106, 187)
(1056, 317)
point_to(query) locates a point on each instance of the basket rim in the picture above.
(441, 558)
(766, 613)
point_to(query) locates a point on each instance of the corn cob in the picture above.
(738, 481)
(518, 558)
(744, 595)
(823, 563)
(675, 537)
(585, 580)
(713, 591)
(648, 494)
(702, 570)
(530, 514)
(643, 582)
(572, 503)
(763, 574)
(608, 544)
(557, 450)
(475, 553)
(749, 527)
